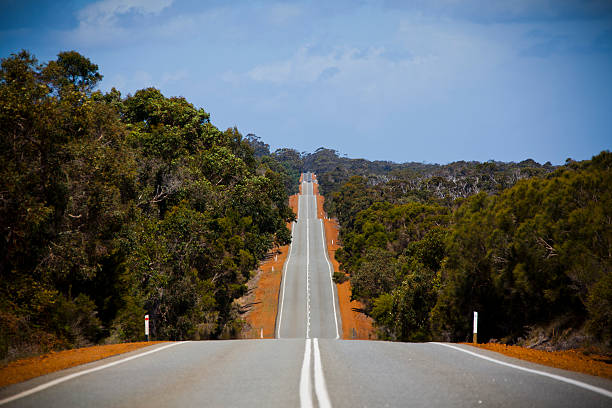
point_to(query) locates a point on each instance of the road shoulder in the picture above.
(45, 365)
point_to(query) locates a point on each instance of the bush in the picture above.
(599, 305)
(340, 277)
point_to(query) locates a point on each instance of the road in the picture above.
(307, 365)
(308, 300)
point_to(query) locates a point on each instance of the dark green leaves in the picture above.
(114, 207)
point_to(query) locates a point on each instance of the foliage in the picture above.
(538, 250)
(339, 277)
(522, 251)
(115, 207)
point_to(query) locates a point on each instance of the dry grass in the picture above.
(573, 360)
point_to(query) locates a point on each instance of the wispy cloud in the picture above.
(105, 12)
(101, 24)
(299, 68)
(308, 67)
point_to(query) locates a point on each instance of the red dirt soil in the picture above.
(24, 369)
(573, 360)
(261, 319)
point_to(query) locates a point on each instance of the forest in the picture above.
(113, 207)
(526, 245)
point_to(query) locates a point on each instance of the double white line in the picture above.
(305, 378)
(307, 273)
(306, 400)
(319, 379)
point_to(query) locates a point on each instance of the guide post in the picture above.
(147, 327)
(475, 339)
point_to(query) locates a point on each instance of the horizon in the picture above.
(430, 82)
(345, 156)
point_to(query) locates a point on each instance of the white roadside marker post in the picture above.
(475, 339)
(147, 327)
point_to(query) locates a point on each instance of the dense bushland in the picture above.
(114, 207)
(526, 245)
(523, 252)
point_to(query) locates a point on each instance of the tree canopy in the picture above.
(114, 207)
(525, 245)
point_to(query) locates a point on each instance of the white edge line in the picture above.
(331, 280)
(307, 269)
(305, 394)
(319, 377)
(580, 384)
(60, 380)
(284, 279)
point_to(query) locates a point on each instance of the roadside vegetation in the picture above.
(113, 207)
(526, 245)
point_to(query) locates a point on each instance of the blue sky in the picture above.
(428, 81)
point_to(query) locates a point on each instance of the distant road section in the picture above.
(308, 303)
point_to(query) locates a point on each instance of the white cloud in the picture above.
(302, 67)
(105, 12)
(99, 22)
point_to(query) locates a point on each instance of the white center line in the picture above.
(307, 270)
(319, 378)
(305, 392)
(320, 388)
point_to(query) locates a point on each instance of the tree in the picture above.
(71, 68)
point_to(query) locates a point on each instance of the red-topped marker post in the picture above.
(147, 327)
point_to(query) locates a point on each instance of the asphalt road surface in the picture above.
(308, 305)
(307, 365)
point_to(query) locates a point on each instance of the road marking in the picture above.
(305, 393)
(323, 400)
(331, 280)
(580, 384)
(307, 271)
(284, 279)
(320, 388)
(80, 373)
